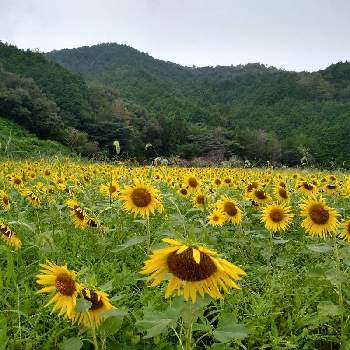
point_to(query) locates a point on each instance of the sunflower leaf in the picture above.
(73, 343)
(229, 330)
(82, 305)
(320, 248)
(129, 243)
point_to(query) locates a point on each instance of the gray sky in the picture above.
(290, 34)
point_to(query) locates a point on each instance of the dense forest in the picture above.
(87, 98)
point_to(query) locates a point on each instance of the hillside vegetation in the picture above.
(17, 142)
(253, 111)
(87, 98)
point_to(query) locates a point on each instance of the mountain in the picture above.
(253, 111)
(56, 104)
(86, 98)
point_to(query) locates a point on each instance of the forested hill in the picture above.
(87, 98)
(253, 111)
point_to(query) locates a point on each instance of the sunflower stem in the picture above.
(148, 233)
(339, 286)
(94, 338)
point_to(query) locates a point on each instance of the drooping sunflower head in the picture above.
(319, 218)
(141, 199)
(79, 217)
(194, 268)
(62, 282)
(5, 201)
(345, 233)
(9, 236)
(100, 303)
(230, 209)
(276, 217)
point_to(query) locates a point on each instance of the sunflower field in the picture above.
(111, 256)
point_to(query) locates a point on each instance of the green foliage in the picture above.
(266, 114)
(15, 142)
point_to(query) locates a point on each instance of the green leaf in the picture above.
(131, 242)
(335, 277)
(114, 313)
(3, 333)
(156, 322)
(229, 330)
(280, 241)
(72, 344)
(108, 286)
(320, 248)
(111, 325)
(327, 308)
(82, 305)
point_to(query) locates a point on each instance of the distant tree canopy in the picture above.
(113, 92)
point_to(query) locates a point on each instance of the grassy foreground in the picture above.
(295, 294)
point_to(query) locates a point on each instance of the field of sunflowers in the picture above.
(111, 256)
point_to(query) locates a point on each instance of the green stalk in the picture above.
(339, 286)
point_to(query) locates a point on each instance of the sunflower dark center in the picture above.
(200, 199)
(141, 197)
(17, 181)
(92, 223)
(184, 267)
(260, 194)
(112, 189)
(276, 215)
(96, 302)
(183, 191)
(319, 215)
(331, 187)
(217, 182)
(65, 284)
(79, 213)
(5, 200)
(6, 231)
(308, 186)
(283, 193)
(227, 180)
(230, 209)
(192, 181)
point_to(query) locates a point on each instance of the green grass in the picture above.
(17, 142)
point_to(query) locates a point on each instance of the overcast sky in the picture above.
(291, 34)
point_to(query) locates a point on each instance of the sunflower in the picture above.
(230, 209)
(199, 200)
(5, 201)
(193, 269)
(99, 305)
(79, 217)
(260, 196)
(192, 183)
(307, 188)
(111, 189)
(61, 281)
(276, 217)
(216, 218)
(183, 192)
(345, 233)
(32, 198)
(281, 194)
(141, 199)
(319, 218)
(9, 236)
